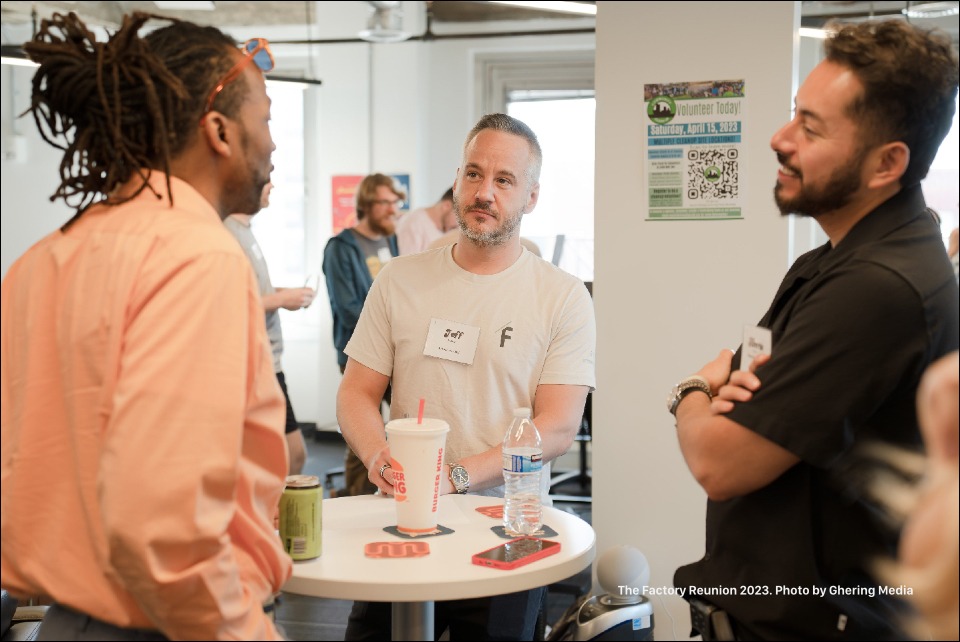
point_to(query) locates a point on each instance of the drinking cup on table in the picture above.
(416, 461)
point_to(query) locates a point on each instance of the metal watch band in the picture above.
(685, 387)
(460, 479)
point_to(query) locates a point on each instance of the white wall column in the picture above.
(670, 294)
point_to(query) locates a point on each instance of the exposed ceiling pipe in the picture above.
(428, 36)
(385, 21)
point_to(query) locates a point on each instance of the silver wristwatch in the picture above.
(683, 388)
(460, 478)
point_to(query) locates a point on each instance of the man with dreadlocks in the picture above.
(143, 450)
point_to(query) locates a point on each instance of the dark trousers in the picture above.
(62, 623)
(501, 617)
(292, 425)
(355, 478)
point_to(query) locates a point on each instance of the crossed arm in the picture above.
(726, 459)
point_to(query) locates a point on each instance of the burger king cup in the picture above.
(416, 461)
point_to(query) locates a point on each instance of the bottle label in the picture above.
(522, 463)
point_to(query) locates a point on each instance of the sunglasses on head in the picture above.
(256, 50)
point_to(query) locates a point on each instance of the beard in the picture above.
(384, 227)
(812, 201)
(492, 238)
(245, 192)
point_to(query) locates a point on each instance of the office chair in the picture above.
(329, 476)
(582, 475)
(20, 622)
(584, 435)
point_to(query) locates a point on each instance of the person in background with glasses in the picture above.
(351, 261)
(143, 445)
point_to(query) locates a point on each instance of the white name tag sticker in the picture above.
(452, 341)
(756, 341)
(384, 254)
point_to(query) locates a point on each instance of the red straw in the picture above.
(420, 413)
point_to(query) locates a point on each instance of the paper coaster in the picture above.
(441, 530)
(495, 511)
(396, 549)
(545, 531)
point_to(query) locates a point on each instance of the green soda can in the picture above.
(300, 517)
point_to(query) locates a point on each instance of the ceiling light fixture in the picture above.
(584, 8)
(932, 10)
(17, 62)
(814, 32)
(385, 24)
(16, 56)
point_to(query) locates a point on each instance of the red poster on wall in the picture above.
(344, 206)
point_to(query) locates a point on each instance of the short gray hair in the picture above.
(510, 125)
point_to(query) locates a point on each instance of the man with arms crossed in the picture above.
(534, 334)
(854, 325)
(143, 447)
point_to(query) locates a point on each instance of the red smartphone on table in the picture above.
(516, 552)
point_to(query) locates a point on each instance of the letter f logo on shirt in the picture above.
(504, 335)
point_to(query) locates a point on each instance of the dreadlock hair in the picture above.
(126, 106)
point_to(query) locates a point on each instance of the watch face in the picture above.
(672, 399)
(461, 480)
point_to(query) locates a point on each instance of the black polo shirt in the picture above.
(854, 327)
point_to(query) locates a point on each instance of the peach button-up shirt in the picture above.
(143, 449)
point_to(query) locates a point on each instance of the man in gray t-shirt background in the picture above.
(273, 299)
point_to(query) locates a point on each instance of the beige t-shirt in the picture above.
(535, 325)
(453, 236)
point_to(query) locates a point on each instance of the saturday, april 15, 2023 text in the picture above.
(780, 590)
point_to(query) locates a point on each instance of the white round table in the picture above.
(446, 573)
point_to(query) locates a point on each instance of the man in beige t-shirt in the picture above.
(527, 333)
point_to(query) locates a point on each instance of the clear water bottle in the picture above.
(522, 464)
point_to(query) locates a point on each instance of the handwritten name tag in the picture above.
(452, 341)
(756, 341)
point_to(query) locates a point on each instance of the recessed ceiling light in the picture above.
(18, 62)
(587, 9)
(814, 32)
(932, 10)
(186, 5)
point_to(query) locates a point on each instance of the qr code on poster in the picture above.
(713, 173)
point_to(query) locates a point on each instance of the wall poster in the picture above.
(694, 145)
(403, 182)
(344, 206)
